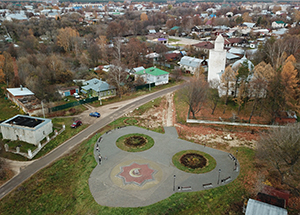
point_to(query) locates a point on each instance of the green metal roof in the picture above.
(175, 28)
(152, 71)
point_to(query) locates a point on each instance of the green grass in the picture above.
(209, 167)
(173, 40)
(180, 108)
(8, 109)
(131, 121)
(65, 135)
(142, 109)
(121, 145)
(63, 188)
(23, 145)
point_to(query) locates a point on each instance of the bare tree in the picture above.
(281, 148)
(177, 74)
(194, 94)
(227, 83)
(276, 52)
(117, 49)
(116, 77)
(213, 95)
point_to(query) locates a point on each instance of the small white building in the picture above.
(26, 128)
(154, 75)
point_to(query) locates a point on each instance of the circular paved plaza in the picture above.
(134, 179)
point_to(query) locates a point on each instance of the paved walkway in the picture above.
(109, 190)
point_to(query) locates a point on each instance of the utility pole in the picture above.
(43, 109)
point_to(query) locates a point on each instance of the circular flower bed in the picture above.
(135, 142)
(193, 161)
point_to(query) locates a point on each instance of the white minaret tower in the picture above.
(217, 60)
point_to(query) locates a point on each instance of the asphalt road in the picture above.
(77, 139)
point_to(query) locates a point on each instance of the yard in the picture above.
(8, 109)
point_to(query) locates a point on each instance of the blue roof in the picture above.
(97, 85)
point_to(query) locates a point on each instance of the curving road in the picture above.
(77, 139)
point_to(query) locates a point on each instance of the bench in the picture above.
(99, 139)
(236, 168)
(208, 185)
(231, 156)
(185, 188)
(226, 179)
(108, 132)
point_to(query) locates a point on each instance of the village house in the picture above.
(192, 65)
(278, 24)
(25, 100)
(96, 87)
(153, 75)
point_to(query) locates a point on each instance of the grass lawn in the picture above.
(142, 109)
(173, 40)
(63, 188)
(8, 109)
(67, 134)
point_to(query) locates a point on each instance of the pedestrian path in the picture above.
(110, 185)
(171, 132)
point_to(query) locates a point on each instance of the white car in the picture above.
(76, 96)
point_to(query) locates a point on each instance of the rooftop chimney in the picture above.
(21, 87)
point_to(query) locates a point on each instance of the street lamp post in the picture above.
(174, 183)
(43, 109)
(100, 96)
(219, 176)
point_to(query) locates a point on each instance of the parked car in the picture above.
(76, 124)
(76, 96)
(95, 114)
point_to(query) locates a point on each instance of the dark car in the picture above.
(95, 114)
(76, 124)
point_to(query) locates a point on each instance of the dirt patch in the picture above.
(158, 115)
(216, 137)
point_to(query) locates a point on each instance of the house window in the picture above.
(112, 92)
(157, 77)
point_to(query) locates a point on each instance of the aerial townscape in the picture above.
(154, 107)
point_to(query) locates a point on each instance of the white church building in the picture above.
(217, 63)
(217, 60)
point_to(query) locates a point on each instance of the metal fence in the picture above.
(73, 104)
(144, 86)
